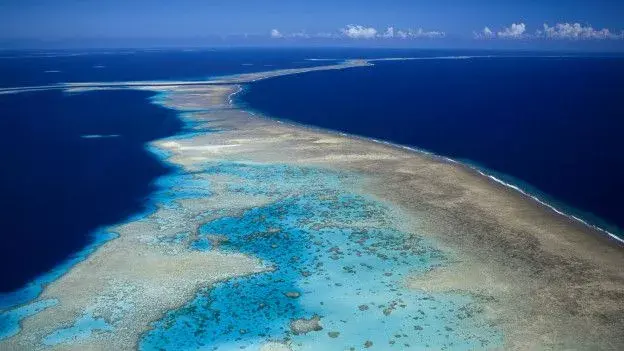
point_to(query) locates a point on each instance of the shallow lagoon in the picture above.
(336, 255)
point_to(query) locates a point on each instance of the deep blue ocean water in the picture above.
(23, 68)
(40, 68)
(553, 125)
(59, 182)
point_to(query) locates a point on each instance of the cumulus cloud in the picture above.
(359, 32)
(569, 31)
(576, 31)
(276, 34)
(485, 33)
(389, 33)
(299, 35)
(516, 30)
(325, 35)
(362, 32)
(419, 33)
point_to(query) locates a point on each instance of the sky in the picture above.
(295, 22)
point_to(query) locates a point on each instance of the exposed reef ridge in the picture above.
(272, 236)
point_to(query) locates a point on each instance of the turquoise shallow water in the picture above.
(16, 306)
(20, 304)
(81, 329)
(23, 303)
(336, 255)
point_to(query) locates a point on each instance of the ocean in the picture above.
(74, 163)
(548, 124)
(78, 162)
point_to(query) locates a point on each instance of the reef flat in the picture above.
(275, 236)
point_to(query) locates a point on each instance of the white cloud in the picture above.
(576, 31)
(487, 32)
(325, 35)
(570, 31)
(516, 30)
(276, 34)
(298, 35)
(359, 32)
(389, 33)
(419, 33)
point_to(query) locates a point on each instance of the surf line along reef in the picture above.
(281, 237)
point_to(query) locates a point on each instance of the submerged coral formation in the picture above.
(352, 254)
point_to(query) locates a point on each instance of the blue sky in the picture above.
(298, 22)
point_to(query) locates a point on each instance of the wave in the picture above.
(512, 186)
(509, 185)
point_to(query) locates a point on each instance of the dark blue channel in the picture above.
(57, 186)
